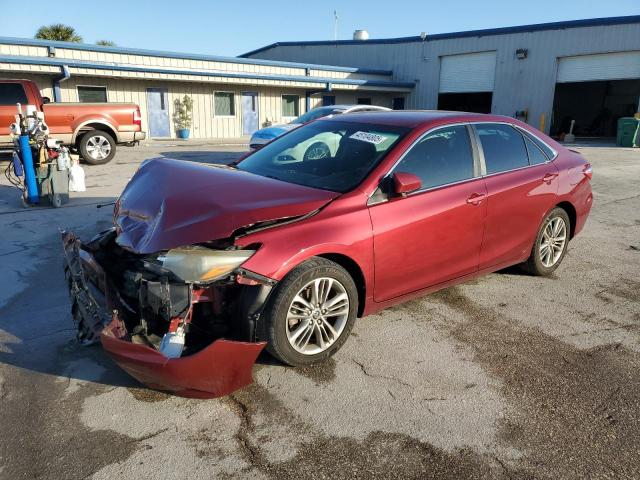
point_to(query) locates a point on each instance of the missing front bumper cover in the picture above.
(212, 371)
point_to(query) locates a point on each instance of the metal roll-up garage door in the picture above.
(594, 91)
(466, 82)
(472, 72)
(607, 66)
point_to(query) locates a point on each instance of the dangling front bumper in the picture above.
(216, 370)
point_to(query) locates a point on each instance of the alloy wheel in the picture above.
(317, 151)
(552, 243)
(98, 147)
(317, 316)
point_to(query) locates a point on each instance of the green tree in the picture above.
(58, 31)
(106, 43)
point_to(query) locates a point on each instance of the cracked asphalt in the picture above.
(508, 376)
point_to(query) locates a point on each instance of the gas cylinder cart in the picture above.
(40, 166)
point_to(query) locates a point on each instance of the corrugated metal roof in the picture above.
(185, 56)
(589, 22)
(15, 59)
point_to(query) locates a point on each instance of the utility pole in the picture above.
(335, 24)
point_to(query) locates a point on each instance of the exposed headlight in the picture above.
(200, 264)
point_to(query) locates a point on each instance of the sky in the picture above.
(234, 27)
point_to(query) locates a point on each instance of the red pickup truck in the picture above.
(93, 128)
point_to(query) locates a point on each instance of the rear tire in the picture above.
(97, 147)
(551, 244)
(284, 316)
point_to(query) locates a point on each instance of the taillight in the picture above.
(588, 171)
(137, 118)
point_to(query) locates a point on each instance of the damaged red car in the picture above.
(208, 264)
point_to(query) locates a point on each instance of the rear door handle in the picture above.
(475, 198)
(549, 177)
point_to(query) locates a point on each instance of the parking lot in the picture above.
(508, 376)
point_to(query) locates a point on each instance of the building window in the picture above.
(328, 100)
(224, 104)
(290, 106)
(364, 101)
(398, 103)
(88, 94)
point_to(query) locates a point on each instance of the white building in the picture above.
(232, 96)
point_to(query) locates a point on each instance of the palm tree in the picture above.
(106, 43)
(58, 31)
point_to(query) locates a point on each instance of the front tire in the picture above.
(311, 313)
(97, 147)
(551, 244)
(317, 151)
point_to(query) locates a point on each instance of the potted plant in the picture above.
(183, 116)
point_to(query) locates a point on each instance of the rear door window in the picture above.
(12, 93)
(503, 147)
(442, 157)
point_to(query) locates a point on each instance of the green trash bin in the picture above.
(627, 127)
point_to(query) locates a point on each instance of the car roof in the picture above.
(357, 105)
(415, 118)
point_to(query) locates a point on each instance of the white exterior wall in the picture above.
(199, 81)
(205, 123)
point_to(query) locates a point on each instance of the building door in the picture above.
(158, 108)
(595, 91)
(466, 82)
(249, 112)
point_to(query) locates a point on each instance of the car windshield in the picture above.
(329, 154)
(313, 115)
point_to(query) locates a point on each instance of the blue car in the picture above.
(265, 135)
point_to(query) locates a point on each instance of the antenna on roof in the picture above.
(335, 24)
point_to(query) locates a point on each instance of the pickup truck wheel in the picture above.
(311, 313)
(97, 147)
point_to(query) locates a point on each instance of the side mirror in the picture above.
(404, 182)
(46, 100)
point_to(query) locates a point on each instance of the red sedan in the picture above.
(208, 264)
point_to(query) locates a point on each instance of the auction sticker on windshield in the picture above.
(369, 137)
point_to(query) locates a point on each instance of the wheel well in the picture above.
(571, 211)
(356, 273)
(95, 126)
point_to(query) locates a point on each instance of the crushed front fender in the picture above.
(216, 370)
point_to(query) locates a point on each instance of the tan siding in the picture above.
(44, 82)
(123, 86)
(180, 63)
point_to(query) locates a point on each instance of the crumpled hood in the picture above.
(275, 130)
(171, 203)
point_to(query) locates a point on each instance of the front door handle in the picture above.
(549, 177)
(475, 198)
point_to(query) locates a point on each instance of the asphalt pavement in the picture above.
(508, 376)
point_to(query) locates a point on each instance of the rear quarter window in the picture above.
(12, 93)
(536, 155)
(548, 151)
